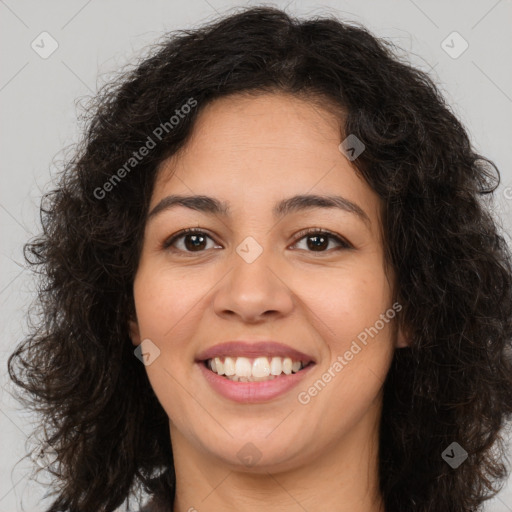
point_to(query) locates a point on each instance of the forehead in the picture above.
(257, 150)
(272, 122)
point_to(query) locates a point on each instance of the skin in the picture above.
(253, 152)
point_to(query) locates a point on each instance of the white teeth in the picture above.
(275, 366)
(287, 365)
(218, 366)
(236, 378)
(260, 367)
(229, 366)
(244, 369)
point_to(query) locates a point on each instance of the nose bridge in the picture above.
(253, 286)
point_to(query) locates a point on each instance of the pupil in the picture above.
(317, 238)
(194, 245)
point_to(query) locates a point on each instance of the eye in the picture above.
(194, 240)
(320, 239)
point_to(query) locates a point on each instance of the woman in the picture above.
(271, 278)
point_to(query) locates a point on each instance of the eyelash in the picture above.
(344, 244)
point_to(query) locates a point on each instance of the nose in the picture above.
(254, 290)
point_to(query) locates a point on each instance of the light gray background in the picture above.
(37, 101)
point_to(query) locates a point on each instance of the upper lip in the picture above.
(252, 350)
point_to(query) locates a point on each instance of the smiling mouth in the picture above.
(259, 369)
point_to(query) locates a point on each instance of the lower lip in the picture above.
(253, 392)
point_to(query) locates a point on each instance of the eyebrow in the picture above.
(284, 207)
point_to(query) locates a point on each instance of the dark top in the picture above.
(163, 498)
(163, 489)
(154, 505)
(158, 504)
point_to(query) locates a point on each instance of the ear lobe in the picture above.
(133, 327)
(403, 338)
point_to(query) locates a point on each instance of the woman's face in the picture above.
(251, 275)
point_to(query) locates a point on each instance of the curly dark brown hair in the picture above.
(454, 274)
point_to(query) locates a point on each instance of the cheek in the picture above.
(164, 300)
(347, 302)
(359, 344)
(166, 313)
